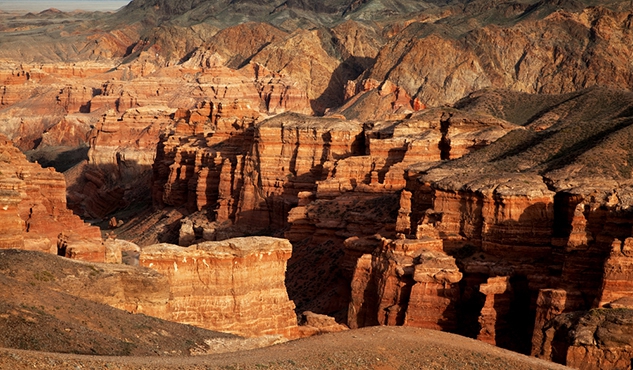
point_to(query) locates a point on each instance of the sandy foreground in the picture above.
(367, 348)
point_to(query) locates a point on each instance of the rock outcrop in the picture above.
(285, 156)
(538, 232)
(594, 340)
(616, 279)
(437, 65)
(236, 285)
(39, 103)
(405, 282)
(34, 213)
(119, 161)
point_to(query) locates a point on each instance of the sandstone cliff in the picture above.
(34, 212)
(236, 285)
(538, 231)
(493, 217)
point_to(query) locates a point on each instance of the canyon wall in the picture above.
(396, 222)
(34, 212)
(494, 217)
(535, 235)
(236, 285)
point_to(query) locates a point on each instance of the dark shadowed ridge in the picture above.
(227, 12)
(569, 139)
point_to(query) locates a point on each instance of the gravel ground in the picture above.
(368, 348)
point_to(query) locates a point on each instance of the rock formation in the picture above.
(405, 282)
(616, 281)
(285, 157)
(236, 285)
(39, 103)
(534, 234)
(416, 200)
(34, 212)
(315, 324)
(597, 339)
(119, 160)
(439, 66)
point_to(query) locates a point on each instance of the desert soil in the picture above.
(368, 348)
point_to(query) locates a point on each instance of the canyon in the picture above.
(456, 166)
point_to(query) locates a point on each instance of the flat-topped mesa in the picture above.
(13, 84)
(235, 285)
(34, 212)
(130, 141)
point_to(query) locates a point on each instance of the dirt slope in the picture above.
(368, 348)
(37, 312)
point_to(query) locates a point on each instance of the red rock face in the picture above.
(236, 285)
(222, 105)
(498, 292)
(36, 100)
(504, 249)
(616, 282)
(12, 224)
(34, 211)
(327, 179)
(405, 282)
(530, 250)
(119, 161)
(285, 156)
(550, 304)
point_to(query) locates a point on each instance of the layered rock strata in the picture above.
(45, 104)
(616, 279)
(285, 156)
(326, 179)
(593, 340)
(34, 212)
(119, 161)
(536, 234)
(236, 285)
(405, 282)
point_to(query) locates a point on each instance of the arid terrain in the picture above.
(328, 184)
(367, 348)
